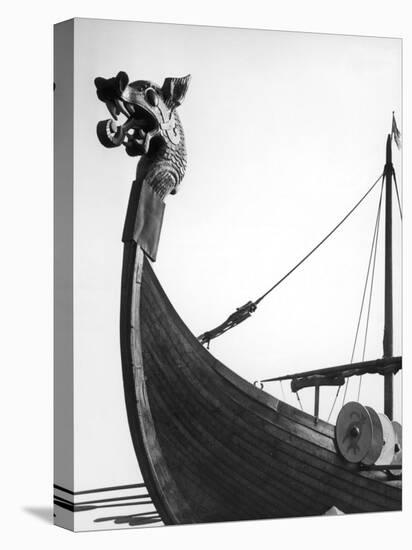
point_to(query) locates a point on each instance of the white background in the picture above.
(27, 270)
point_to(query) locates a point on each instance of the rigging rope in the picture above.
(320, 243)
(359, 387)
(373, 250)
(244, 312)
(299, 401)
(346, 389)
(397, 194)
(371, 287)
(334, 402)
(367, 275)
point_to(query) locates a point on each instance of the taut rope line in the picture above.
(244, 312)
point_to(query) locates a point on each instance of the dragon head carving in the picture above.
(149, 110)
(152, 130)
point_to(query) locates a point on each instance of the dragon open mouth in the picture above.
(135, 133)
(148, 110)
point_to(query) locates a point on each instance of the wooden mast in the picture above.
(388, 330)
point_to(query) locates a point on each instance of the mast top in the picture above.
(389, 151)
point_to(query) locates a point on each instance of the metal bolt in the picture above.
(355, 431)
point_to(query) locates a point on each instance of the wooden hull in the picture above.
(211, 446)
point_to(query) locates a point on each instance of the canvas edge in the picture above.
(63, 265)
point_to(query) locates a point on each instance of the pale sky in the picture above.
(285, 132)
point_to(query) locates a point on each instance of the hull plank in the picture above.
(211, 446)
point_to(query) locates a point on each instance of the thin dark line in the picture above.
(244, 312)
(371, 289)
(334, 402)
(124, 504)
(346, 389)
(64, 500)
(101, 500)
(143, 515)
(71, 508)
(365, 288)
(132, 520)
(397, 195)
(79, 508)
(370, 295)
(99, 490)
(319, 244)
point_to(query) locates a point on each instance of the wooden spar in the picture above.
(376, 366)
(388, 330)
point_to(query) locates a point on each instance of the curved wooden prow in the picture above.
(210, 445)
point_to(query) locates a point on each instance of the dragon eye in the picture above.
(151, 97)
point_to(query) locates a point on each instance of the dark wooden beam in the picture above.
(388, 330)
(316, 412)
(376, 366)
(313, 381)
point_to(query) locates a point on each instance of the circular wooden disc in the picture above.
(389, 440)
(377, 438)
(353, 431)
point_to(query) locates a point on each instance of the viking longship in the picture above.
(212, 446)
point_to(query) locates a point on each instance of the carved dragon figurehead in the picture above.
(152, 128)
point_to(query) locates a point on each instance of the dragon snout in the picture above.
(133, 133)
(148, 109)
(110, 89)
